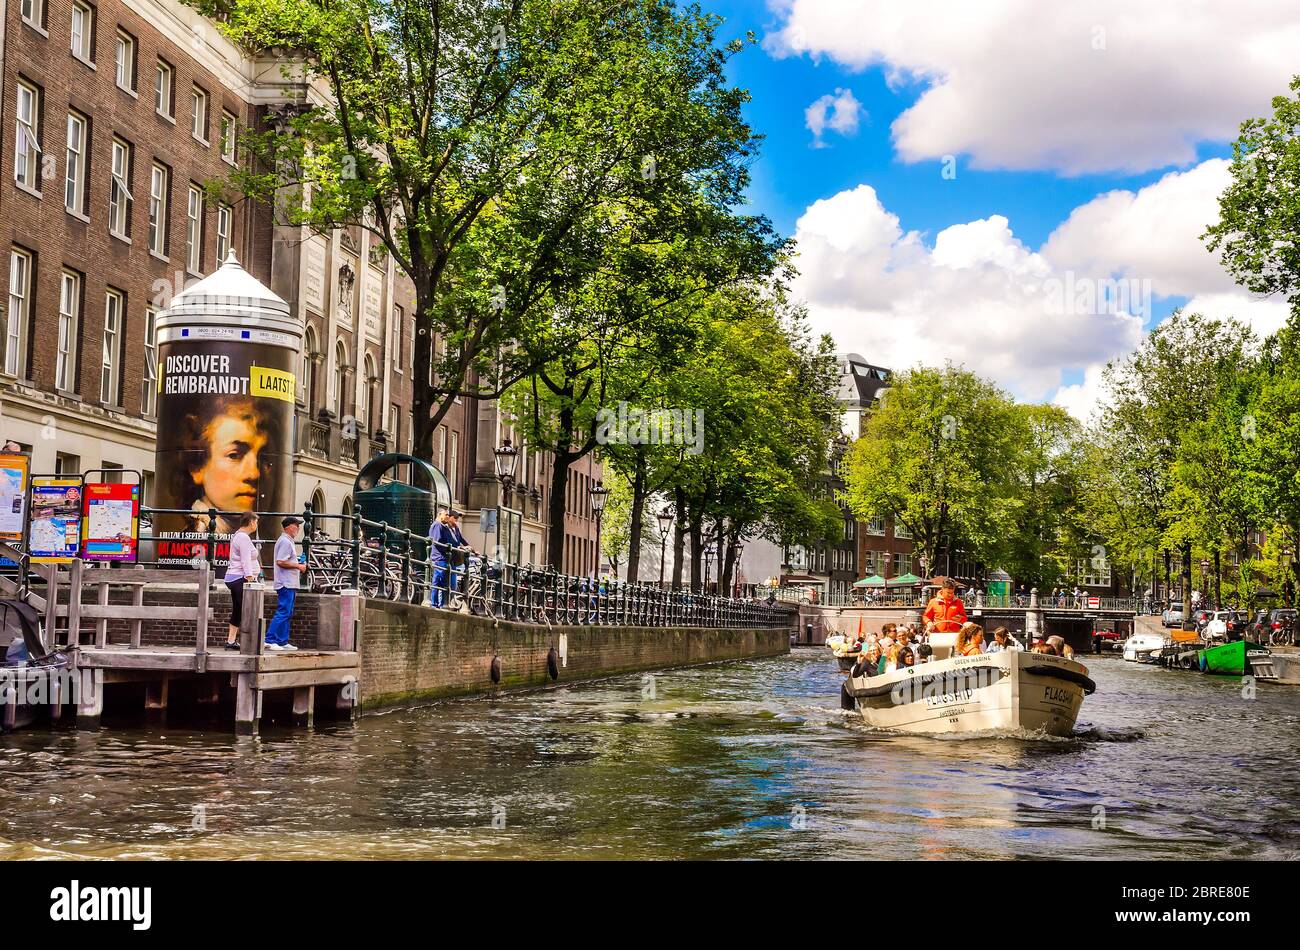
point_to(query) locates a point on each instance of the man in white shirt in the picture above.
(287, 571)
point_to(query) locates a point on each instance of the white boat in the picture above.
(1007, 691)
(1143, 647)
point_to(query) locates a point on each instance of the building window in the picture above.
(162, 89)
(442, 449)
(309, 367)
(159, 189)
(225, 220)
(340, 377)
(194, 231)
(149, 383)
(901, 531)
(876, 526)
(27, 143)
(34, 13)
(228, 128)
(1093, 572)
(119, 190)
(65, 362)
(199, 115)
(372, 406)
(83, 32)
(19, 313)
(125, 61)
(114, 307)
(74, 185)
(65, 464)
(395, 348)
(395, 423)
(451, 462)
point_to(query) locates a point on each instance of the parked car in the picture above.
(1216, 625)
(1172, 617)
(1238, 624)
(1277, 627)
(1105, 636)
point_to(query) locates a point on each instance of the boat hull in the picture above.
(1007, 691)
(1228, 659)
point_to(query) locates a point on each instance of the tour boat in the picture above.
(1012, 690)
(1144, 647)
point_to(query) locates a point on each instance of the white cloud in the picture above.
(838, 111)
(978, 297)
(1019, 84)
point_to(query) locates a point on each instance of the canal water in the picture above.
(740, 760)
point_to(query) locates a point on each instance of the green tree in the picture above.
(939, 456)
(501, 150)
(1258, 231)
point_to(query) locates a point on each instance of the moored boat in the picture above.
(1228, 658)
(1143, 647)
(1007, 691)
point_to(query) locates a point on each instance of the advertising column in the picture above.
(227, 354)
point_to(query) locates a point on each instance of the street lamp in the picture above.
(708, 559)
(598, 494)
(665, 525)
(735, 587)
(507, 458)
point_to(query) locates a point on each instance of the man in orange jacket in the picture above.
(945, 613)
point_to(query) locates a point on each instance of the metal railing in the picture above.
(396, 564)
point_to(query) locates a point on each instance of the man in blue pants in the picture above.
(287, 571)
(448, 551)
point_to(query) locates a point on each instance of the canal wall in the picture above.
(411, 653)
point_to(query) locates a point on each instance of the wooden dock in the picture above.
(96, 663)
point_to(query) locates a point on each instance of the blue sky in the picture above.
(1080, 144)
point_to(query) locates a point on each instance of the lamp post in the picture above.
(507, 458)
(735, 587)
(665, 525)
(708, 559)
(598, 494)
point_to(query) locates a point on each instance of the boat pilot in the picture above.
(945, 612)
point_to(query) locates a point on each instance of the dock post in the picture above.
(155, 694)
(75, 576)
(51, 605)
(90, 704)
(304, 703)
(248, 706)
(137, 623)
(201, 621)
(101, 625)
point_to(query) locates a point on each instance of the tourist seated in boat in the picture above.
(970, 640)
(1060, 647)
(945, 613)
(1042, 646)
(924, 653)
(906, 658)
(869, 662)
(1002, 640)
(888, 634)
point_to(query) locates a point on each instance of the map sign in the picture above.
(13, 496)
(55, 532)
(111, 515)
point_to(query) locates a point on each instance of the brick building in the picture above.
(115, 116)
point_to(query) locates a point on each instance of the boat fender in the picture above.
(1070, 676)
(496, 669)
(1202, 664)
(846, 698)
(553, 664)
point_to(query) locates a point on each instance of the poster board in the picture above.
(55, 531)
(110, 521)
(14, 472)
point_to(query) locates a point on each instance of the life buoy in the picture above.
(553, 664)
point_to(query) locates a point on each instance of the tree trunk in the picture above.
(555, 515)
(635, 521)
(679, 538)
(696, 531)
(1218, 580)
(1186, 552)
